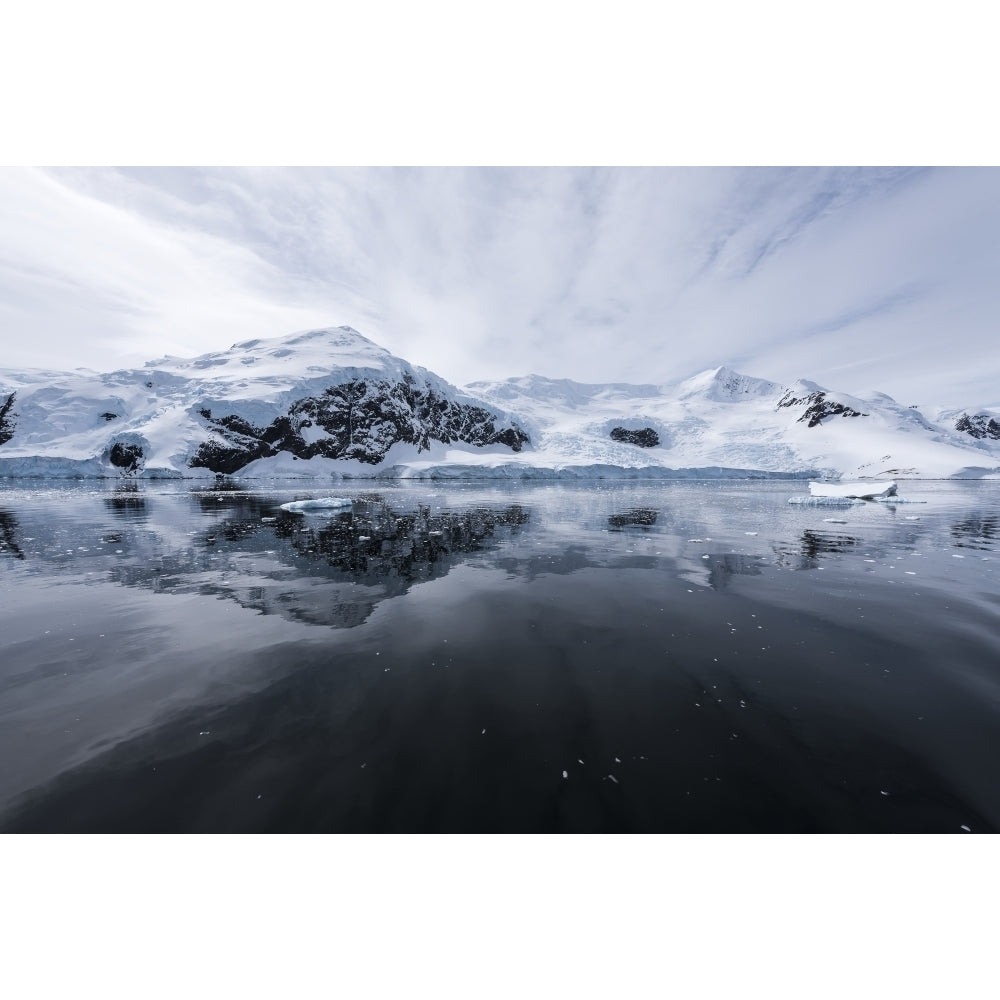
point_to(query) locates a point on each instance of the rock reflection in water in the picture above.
(812, 545)
(321, 570)
(128, 503)
(978, 531)
(639, 516)
(8, 535)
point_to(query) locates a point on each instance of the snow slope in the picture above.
(331, 403)
(723, 420)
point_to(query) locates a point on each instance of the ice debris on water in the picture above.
(613, 778)
(826, 501)
(834, 520)
(565, 774)
(966, 829)
(322, 503)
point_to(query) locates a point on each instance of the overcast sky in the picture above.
(856, 278)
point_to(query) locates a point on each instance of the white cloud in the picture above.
(860, 278)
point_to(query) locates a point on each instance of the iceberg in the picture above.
(853, 491)
(323, 503)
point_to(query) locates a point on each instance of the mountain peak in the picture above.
(724, 384)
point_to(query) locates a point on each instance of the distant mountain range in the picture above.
(331, 403)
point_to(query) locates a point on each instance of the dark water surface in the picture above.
(666, 657)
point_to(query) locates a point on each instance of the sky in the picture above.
(857, 278)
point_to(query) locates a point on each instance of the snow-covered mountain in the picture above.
(332, 403)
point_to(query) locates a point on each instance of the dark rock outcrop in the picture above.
(7, 419)
(127, 457)
(361, 419)
(646, 437)
(979, 426)
(818, 407)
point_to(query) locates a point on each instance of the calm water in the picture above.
(667, 657)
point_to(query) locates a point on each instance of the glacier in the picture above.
(329, 404)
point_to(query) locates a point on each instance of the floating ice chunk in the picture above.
(268, 520)
(565, 774)
(912, 517)
(862, 491)
(826, 501)
(749, 532)
(966, 829)
(613, 778)
(322, 503)
(834, 520)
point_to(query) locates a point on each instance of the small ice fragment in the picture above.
(579, 761)
(259, 796)
(613, 778)
(617, 760)
(834, 520)
(912, 517)
(955, 555)
(749, 532)
(966, 829)
(364, 538)
(909, 572)
(268, 520)
(565, 774)
(206, 732)
(483, 732)
(706, 557)
(884, 793)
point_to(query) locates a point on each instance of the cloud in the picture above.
(595, 274)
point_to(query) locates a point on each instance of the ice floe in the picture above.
(322, 503)
(855, 490)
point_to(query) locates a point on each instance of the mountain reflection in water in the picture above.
(608, 656)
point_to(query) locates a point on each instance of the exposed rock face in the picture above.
(127, 457)
(7, 420)
(646, 437)
(361, 419)
(979, 426)
(818, 407)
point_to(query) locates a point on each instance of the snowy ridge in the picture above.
(330, 403)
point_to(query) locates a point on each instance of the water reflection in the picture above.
(641, 516)
(8, 535)
(322, 570)
(976, 531)
(544, 640)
